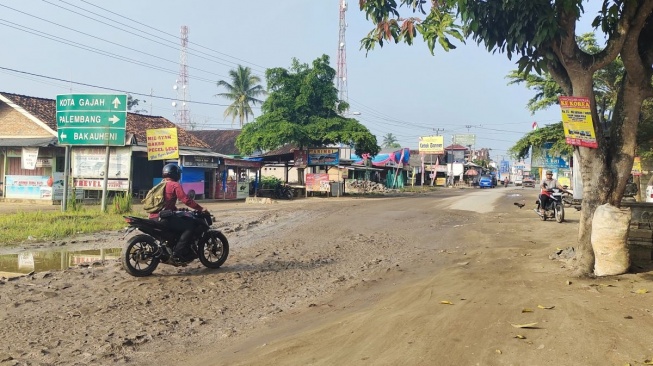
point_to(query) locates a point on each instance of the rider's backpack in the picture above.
(154, 201)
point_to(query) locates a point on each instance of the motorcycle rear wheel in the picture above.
(138, 256)
(559, 210)
(215, 250)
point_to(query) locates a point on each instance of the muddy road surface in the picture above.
(419, 279)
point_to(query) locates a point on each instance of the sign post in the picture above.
(91, 120)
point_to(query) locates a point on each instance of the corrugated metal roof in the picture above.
(25, 142)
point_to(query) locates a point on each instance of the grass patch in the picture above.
(20, 227)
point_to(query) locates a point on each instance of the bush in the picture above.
(122, 203)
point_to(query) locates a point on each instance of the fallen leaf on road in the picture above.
(445, 302)
(641, 291)
(529, 325)
(545, 307)
(498, 351)
(648, 362)
(519, 336)
(526, 310)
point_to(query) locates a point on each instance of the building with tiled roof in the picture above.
(45, 111)
(219, 141)
(32, 162)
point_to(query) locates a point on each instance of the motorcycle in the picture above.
(283, 191)
(142, 253)
(554, 207)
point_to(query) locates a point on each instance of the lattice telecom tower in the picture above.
(182, 112)
(341, 74)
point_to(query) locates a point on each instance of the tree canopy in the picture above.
(542, 33)
(303, 109)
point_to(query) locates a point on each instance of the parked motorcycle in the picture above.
(142, 253)
(554, 207)
(283, 191)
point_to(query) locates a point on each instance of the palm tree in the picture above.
(390, 141)
(242, 91)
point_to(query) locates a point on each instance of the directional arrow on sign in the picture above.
(116, 103)
(63, 135)
(114, 119)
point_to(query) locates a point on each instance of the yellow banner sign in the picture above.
(637, 166)
(431, 144)
(162, 144)
(577, 121)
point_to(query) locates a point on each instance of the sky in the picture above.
(82, 46)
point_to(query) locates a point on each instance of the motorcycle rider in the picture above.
(548, 183)
(182, 224)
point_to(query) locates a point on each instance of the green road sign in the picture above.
(92, 119)
(77, 119)
(92, 102)
(92, 136)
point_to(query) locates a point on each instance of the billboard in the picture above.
(431, 144)
(465, 140)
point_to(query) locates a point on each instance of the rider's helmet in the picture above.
(549, 172)
(172, 171)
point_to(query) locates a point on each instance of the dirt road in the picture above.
(385, 281)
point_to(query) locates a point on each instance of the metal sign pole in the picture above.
(66, 176)
(106, 179)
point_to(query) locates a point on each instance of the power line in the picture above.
(91, 49)
(101, 39)
(108, 88)
(172, 35)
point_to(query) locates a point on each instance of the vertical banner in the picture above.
(577, 121)
(637, 167)
(29, 157)
(162, 144)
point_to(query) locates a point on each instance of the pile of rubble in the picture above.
(365, 186)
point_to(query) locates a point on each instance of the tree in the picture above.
(133, 103)
(243, 92)
(553, 133)
(390, 141)
(606, 83)
(543, 34)
(303, 109)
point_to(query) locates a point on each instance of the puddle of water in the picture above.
(13, 265)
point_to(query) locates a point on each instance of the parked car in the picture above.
(485, 181)
(528, 182)
(519, 180)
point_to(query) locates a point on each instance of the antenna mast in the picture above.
(341, 74)
(182, 112)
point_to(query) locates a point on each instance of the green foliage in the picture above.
(122, 203)
(40, 225)
(537, 138)
(243, 92)
(73, 204)
(303, 109)
(390, 141)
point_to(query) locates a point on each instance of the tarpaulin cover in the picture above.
(399, 156)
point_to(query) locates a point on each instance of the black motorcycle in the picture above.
(143, 252)
(554, 207)
(283, 191)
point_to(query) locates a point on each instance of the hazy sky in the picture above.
(134, 46)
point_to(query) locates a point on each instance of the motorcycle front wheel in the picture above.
(215, 250)
(559, 212)
(138, 256)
